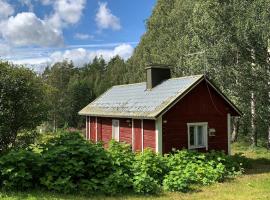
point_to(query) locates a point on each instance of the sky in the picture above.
(37, 33)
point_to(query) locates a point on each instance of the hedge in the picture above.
(68, 164)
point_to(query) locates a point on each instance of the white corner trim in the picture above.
(86, 127)
(229, 132)
(142, 133)
(89, 127)
(96, 130)
(132, 132)
(158, 124)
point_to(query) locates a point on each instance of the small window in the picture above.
(115, 130)
(197, 135)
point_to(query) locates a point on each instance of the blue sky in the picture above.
(41, 32)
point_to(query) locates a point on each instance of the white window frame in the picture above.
(205, 135)
(118, 130)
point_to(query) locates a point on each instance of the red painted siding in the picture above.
(104, 127)
(106, 130)
(137, 135)
(149, 134)
(125, 130)
(93, 128)
(87, 129)
(196, 106)
(99, 129)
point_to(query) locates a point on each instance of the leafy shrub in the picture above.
(121, 158)
(145, 184)
(20, 170)
(188, 168)
(68, 163)
(71, 162)
(234, 165)
(149, 169)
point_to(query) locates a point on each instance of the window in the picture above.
(115, 130)
(197, 135)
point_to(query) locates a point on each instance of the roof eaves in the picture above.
(173, 101)
(224, 97)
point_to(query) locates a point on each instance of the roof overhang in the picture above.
(177, 99)
(163, 109)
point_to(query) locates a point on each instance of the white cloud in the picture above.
(65, 12)
(39, 58)
(5, 9)
(82, 36)
(32, 61)
(4, 49)
(27, 29)
(81, 56)
(70, 11)
(105, 19)
(46, 2)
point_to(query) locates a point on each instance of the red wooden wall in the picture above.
(197, 106)
(125, 130)
(104, 131)
(149, 134)
(92, 128)
(137, 135)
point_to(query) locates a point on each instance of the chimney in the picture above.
(155, 74)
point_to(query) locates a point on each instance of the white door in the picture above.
(115, 130)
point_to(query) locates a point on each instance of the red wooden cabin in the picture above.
(163, 113)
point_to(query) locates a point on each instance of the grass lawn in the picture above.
(254, 184)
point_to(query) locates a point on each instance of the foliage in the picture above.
(20, 170)
(189, 168)
(227, 40)
(72, 163)
(149, 169)
(25, 139)
(73, 88)
(67, 163)
(22, 104)
(122, 158)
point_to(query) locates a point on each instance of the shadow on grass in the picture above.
(258, 166)
(51, 195)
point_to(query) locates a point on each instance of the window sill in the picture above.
(199, 147)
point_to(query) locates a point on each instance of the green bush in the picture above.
(189, 167)
(149, 169)
(70, 162)
(234, 164)
(20, 170)
(121, 158)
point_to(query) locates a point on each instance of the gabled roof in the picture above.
(134, 101)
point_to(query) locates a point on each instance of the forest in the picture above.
(226, 40)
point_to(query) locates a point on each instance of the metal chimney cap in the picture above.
(158, 66)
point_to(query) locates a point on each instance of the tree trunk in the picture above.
(54, 123)
(235, 129)
(268, 137)
(268, 78)
(253, 120)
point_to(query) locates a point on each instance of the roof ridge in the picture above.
(128, 84)
(197, 75)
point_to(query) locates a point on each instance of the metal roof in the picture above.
(133, 100)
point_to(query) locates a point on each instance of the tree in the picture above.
(22, 105)
(79, 94)
(228, 40)
(58, 77)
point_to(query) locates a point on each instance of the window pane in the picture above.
(200, 136)
(115, 130)
(191, 135)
